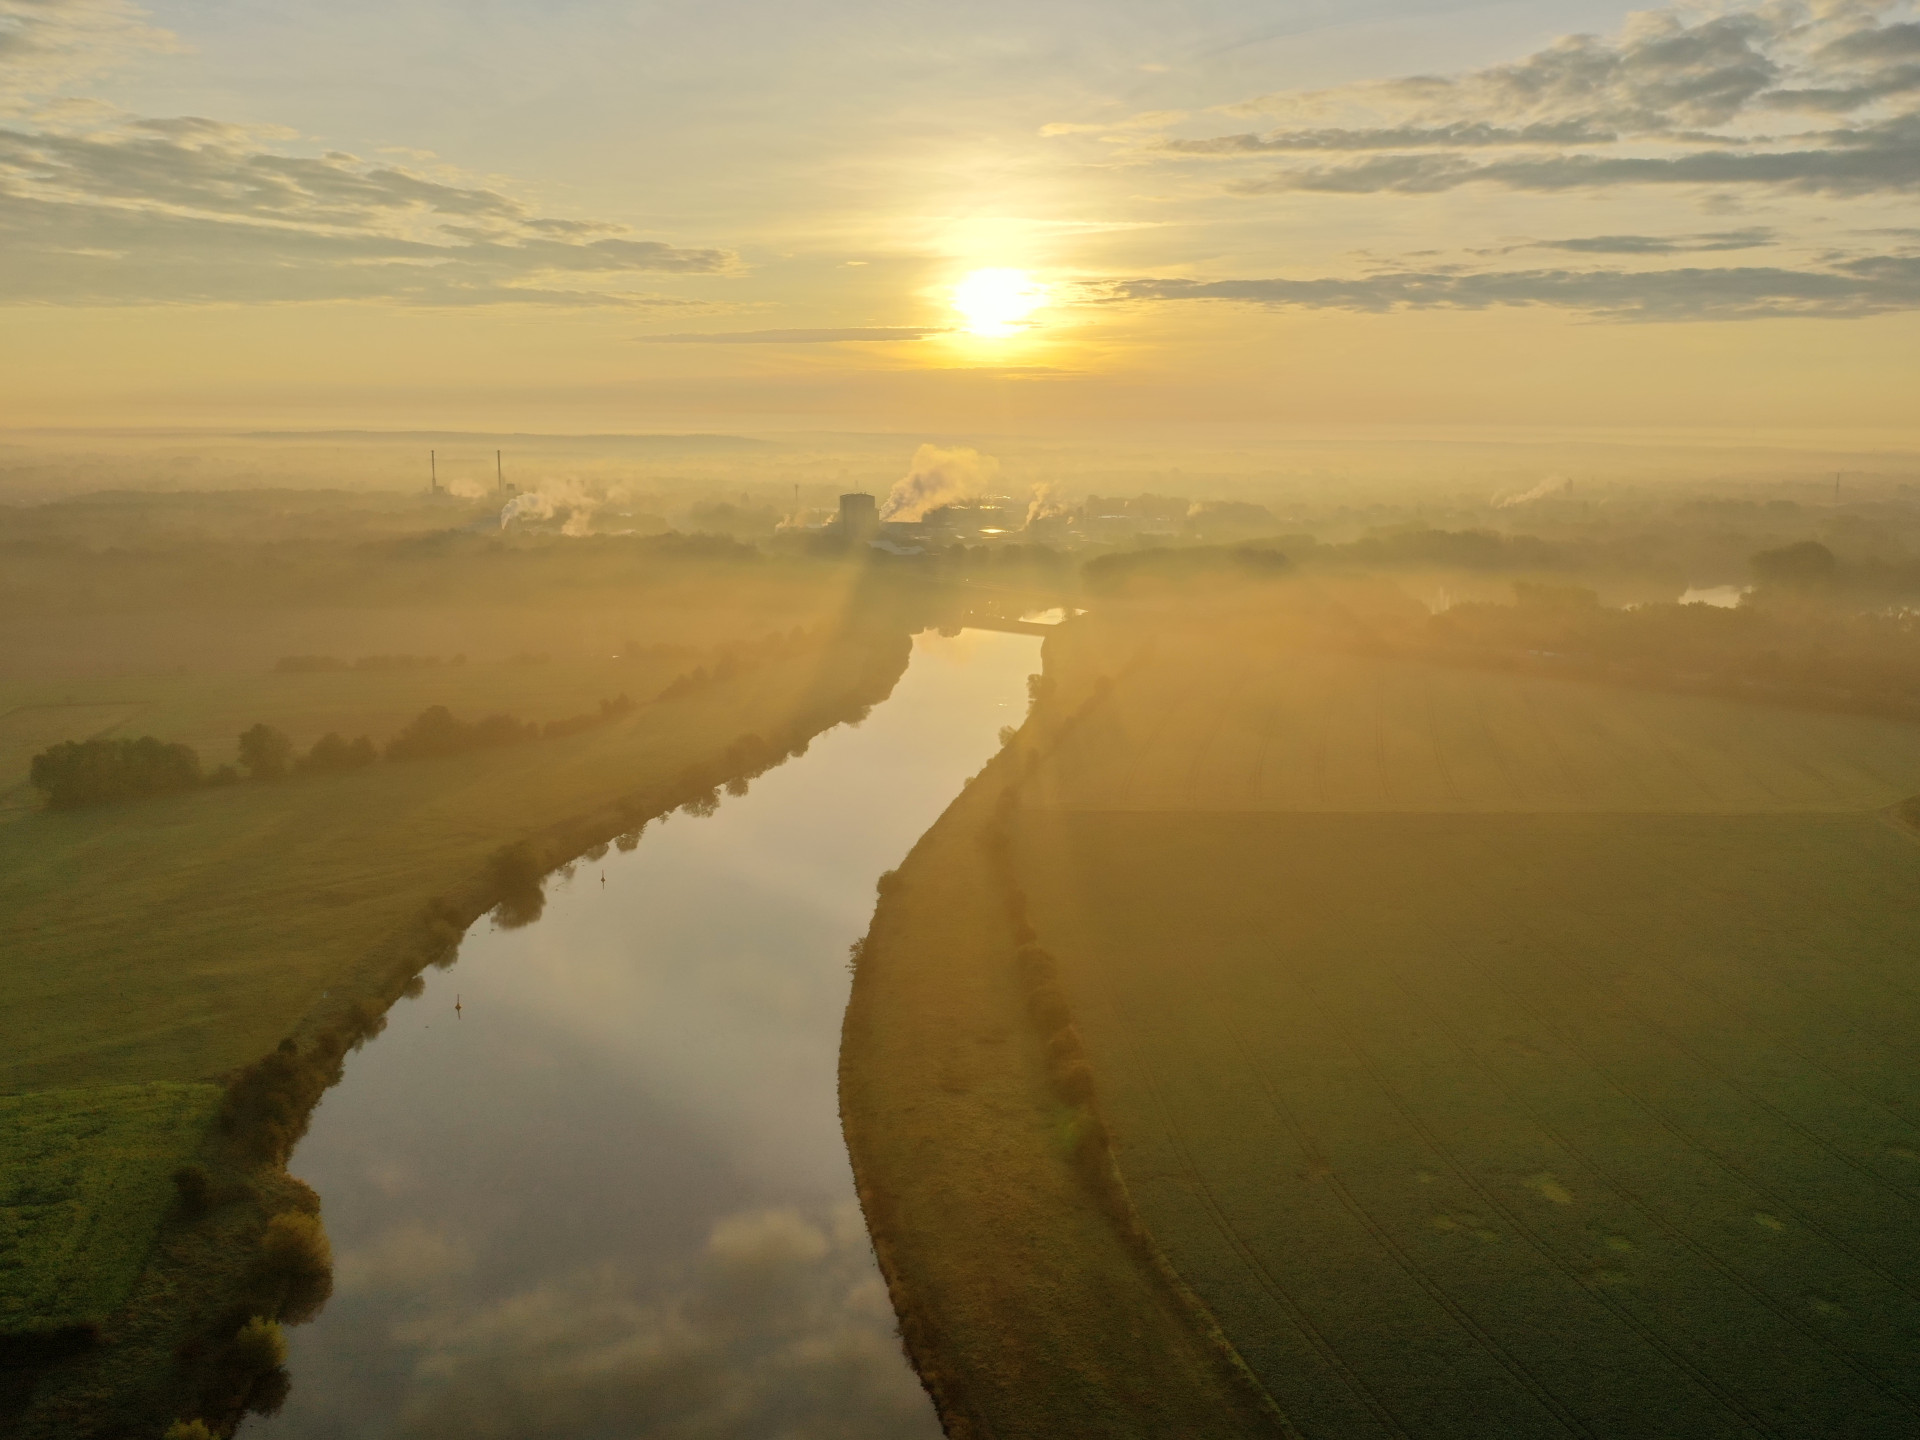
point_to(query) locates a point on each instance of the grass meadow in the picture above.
(178, 937)
(84, 1185)
(1497, 1055)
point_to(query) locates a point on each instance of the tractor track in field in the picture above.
(1382, 1237)
(1665, 1122)
(1679, 1044)
(1651, 1213)
(1264, 1277)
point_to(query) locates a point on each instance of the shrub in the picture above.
(295, 1245)
(333, 753)
(189, 1430)
(307, 664)
(267, 1104)
(515, 872)
(435, 732)
(194, 1189)
(295, 1256)
(1048, 1006)
(1074, 1081)
(90, 772)
(259, 1346)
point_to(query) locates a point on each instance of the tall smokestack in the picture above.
(433, 473)
(499, 476)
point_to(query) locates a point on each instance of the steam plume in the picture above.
(564, 499)
(936, 477)
(1044, 506)
(1552, 485)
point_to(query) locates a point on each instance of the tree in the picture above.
(333, 752)
(89, 772)
(1808, 565)
(265, 753)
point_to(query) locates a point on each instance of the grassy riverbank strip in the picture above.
(1031, 1300)
(254, 935)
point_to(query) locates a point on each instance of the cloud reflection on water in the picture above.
(782, 1329)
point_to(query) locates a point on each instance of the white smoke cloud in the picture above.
(1044, 505)
(1552, 485)
(937, 477)
(573, 503)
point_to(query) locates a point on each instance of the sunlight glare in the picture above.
(996, 302)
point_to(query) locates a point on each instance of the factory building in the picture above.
(859, 516)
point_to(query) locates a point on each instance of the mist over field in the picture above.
(884, 719)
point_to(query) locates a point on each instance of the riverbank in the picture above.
(304, 912)
(1030, 1300)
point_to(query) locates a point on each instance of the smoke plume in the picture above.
(1552, 485)
(1044, 506)
(565, 499)
(936, 477)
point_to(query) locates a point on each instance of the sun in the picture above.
(996, 302)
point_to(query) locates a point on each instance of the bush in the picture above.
(1048, 1005)
(194, 1189)
(307, 664)
(435, 732)
(90, 772)
(295, 1247)
(514, 873)
(189, 1430)
(268, 1103)
(333, 753)
(259, 1346)
(295, 1257)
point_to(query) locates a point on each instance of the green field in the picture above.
(1516, 1125)
(178, 937)
(1492, 1055)
(1222, 727)
(83, 1187)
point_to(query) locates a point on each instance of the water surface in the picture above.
(609, 1196)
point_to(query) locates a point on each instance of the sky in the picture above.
(1228, 218)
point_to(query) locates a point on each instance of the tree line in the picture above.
(76, 773)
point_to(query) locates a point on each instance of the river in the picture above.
(591, 1182)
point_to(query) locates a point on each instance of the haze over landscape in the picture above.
(861, 721)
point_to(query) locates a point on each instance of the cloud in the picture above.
(1871, 285)
(1879, 158)
(1658, 244)
(1611, 111)
(797, 337)
(1462, 134)
(184, 210)
(47, 45)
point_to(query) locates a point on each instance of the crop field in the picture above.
(83, 1186)
(1479, 1089)
(1221, 729)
